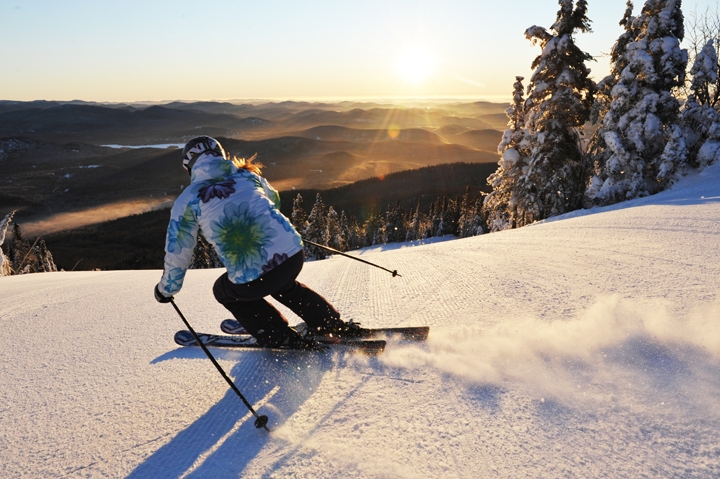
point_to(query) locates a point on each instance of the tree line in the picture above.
(652, 123)
(460, 216)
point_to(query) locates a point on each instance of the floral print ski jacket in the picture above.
(238, 213)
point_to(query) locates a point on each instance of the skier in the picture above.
(238, 213)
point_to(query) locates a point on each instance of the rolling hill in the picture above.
(55, 167)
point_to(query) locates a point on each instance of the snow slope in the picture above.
(588, 346)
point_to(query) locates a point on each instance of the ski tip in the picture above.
(232, 326)
(184, 338)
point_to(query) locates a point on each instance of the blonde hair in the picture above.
(247, 164)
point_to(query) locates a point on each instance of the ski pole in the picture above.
(260, 421)
(394, 273)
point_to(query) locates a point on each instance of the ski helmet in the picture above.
(199, 146)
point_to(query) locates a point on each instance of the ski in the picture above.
(412, 333)
(185, 338)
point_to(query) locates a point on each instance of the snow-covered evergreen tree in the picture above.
(5, 268)
(352, 232)
(317, 229)
(560, 95)
(395, 227)
(298, 217)
(698, 117)
(700, 30)
(598, 150)
(18, 251)
(465, 213)
(618, 62)
(415, 228)
(434, 224)
(477, 225)
(23, 257)
(644, 152)
(704, 73)
(710, 150)
(511, 203)
(471, 222)
(45, 261)
(374, 228)
(449, 218)
(335, 235)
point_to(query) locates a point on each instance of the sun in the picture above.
(414, 66)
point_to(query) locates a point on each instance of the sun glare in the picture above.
(414, 66)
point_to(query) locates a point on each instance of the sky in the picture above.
(163, 50)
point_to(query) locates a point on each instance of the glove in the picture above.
(161, 298)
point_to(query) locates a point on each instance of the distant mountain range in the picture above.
(53, 160)
(176, 122)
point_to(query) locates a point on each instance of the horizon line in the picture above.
(307, 99)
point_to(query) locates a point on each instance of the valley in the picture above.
(59, 177)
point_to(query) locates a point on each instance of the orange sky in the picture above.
(228, 49)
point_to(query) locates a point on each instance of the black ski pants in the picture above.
(260, 318)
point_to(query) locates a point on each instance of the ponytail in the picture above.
(247, 164)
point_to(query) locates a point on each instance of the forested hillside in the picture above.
(137, 241)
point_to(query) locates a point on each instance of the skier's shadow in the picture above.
(224, 440)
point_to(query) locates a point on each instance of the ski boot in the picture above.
(295, 340)
(346, 330)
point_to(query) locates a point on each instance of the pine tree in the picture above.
(464, 213)
(643, 151)
(449, 218)
(379, 235)
(5, 266)
(478, 225)
(471, 221)
(23, 257)
(435, 217)
(598, 149)
(415, 229)
(346, 231)
(18, 251)
(560, 95)
(355, 238)
(395, 227)
(298, 217)
(335, 236)
(700, 30)
(705, 74)
(317, 229)
(45, 258)
(511, 203)
(710, 150)
(373, 228)
(618, 62)
(698, 117)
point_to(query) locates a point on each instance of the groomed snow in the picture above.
(588, 346)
